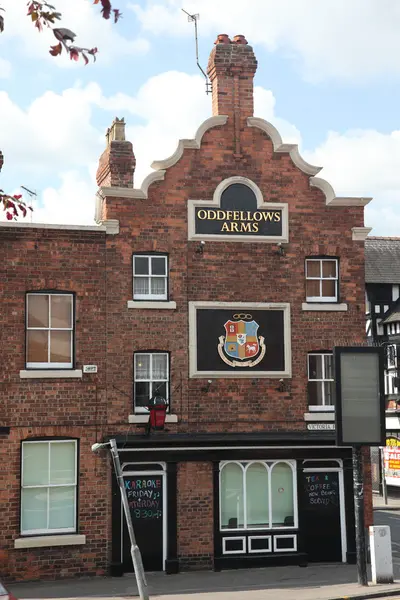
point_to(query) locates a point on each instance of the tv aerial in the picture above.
(194, 19)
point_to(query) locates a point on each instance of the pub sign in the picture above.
(237, 213)
(239, 340)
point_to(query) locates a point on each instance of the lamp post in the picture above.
(135, 551)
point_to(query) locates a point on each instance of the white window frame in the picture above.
(320, 407)
(150, 276)
(269, 467)
(48, 487)
(321, 278)
(49, 329)
(141, 409)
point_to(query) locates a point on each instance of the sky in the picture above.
(328, 79)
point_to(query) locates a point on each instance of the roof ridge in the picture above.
(382, 237)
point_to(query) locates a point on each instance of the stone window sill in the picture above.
(322, 306)
(50, 374)
(143, 419)
(319, 416)
(147, 304)
(44, 541)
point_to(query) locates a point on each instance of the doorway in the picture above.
(146, 492)
(323, 522)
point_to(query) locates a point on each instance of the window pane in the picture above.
(60, 347)
(329, 393)
(37, 346)
(257, 496)
(160, 362)
(62, 462)
(158, 265)
(158, 286)
(232, 497)
(62, 508)
(61, 313)
(38, 310)
(141, 285)
(313, 288)
(33, 509)
(160, 388)
(313, 268)
(142, 366)
(329, 288)
(142, 393)
(141, 265)
(328, 360)
(282, 495)
(314, 366)
(329, 268)
(35, 466)
(315, 393)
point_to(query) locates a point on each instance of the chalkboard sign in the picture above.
(320, 516)
(321, 489)
(145, 499)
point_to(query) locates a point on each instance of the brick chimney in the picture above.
(117, 163)
(231, 69)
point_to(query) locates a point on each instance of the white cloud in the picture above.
(54, 132)
(79, 16)
(341, 39)
(55, 137)
(5, 68)
(365, 163)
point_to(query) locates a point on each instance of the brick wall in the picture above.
(195, 515)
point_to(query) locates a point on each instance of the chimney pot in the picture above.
(223, 38)
(240, 39)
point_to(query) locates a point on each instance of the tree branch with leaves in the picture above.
(45, 15)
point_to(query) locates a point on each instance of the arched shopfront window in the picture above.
(258, 495)
(232, 500)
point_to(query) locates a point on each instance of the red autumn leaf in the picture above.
(74, 54)
(55, 50)
(38, 25)
(9, 216)
(106, 10)
(117, 15)
(17, 196)
(23, 210)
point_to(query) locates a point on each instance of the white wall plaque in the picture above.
(321, 426)
(90, 368)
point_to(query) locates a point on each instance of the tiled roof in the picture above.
(382, 260)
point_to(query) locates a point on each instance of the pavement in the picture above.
(393, 502)
(315, 582)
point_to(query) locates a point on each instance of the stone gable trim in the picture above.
(359, 234)
(282, 148)
(195, 143)
(332, 199)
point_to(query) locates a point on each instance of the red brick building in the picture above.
(221, 285)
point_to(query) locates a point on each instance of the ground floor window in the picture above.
(48, 486)
(258, 495)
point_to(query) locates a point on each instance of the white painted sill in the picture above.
(319, 416)
(146, 304)
(50, 374)
(324, 306)
(143, 419)
(44, 541)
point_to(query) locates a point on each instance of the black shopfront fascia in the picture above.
(172, 449)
